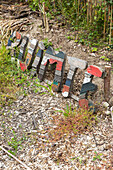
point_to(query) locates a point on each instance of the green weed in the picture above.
(105, 58)
(15, 143)
(97, 156)
(74, 121)
(47, 43)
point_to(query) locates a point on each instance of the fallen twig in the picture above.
(15, 158)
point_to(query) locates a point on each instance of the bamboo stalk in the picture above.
(78, 7)
(110, 26)
(90, 11)
(87, 11)
(15, 158)
(44, 16)
(104, 20)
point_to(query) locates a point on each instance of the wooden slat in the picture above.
(77, 63)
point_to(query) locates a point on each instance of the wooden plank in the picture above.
(70, 79)
(57, 78)
(74, 97)
(65, 91)
(18, 36)
(95, 70)
(57, 72)
(68, 82)
(30, 56)
(88, 78)
(41, 45)
(50, 51)
(53, 57)
(59, 65)
(70, 74)
(23, 48)
(74, 63)
(10, 40)
(88, 87)
(60, 55)
(83, 103)
(55, 86)
(77, 63)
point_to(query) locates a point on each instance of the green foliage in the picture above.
(47, 43)
(105, 58)
(94, 49)
(73, 122)
(97, 156)
(15, 143)
(14, 82)
(75, 15)
(7, 90)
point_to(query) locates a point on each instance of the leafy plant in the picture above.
(47, 43)
(97, 156)
(94, 49)
(105, 58)
(15, 143)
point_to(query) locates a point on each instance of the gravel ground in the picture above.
(30, 118)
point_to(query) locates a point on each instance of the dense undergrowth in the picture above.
(7, 84)
(14, 82)
(92, 19)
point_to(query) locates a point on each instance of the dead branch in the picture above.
(15, 158)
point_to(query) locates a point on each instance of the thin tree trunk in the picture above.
(104, 19)
(87, 11)
(110, 27)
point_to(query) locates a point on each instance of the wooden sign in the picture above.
(83, 103)
(88, 87)
(77, 63)
(74, 63)
(38, 59)
(87, 78)
(30, 55)
(17, 38)
(10, 40)
(14, 40)
(37, 62)
(23, 48)
(87, 105)
(51, 58)
(96, 71)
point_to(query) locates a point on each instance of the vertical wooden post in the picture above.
(44, 15)
(107, 83)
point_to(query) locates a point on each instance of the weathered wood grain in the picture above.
(88, 78)
(88, 87)
(23, 48)
(30, 56)
(77, 63)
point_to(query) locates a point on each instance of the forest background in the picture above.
(92, 18)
